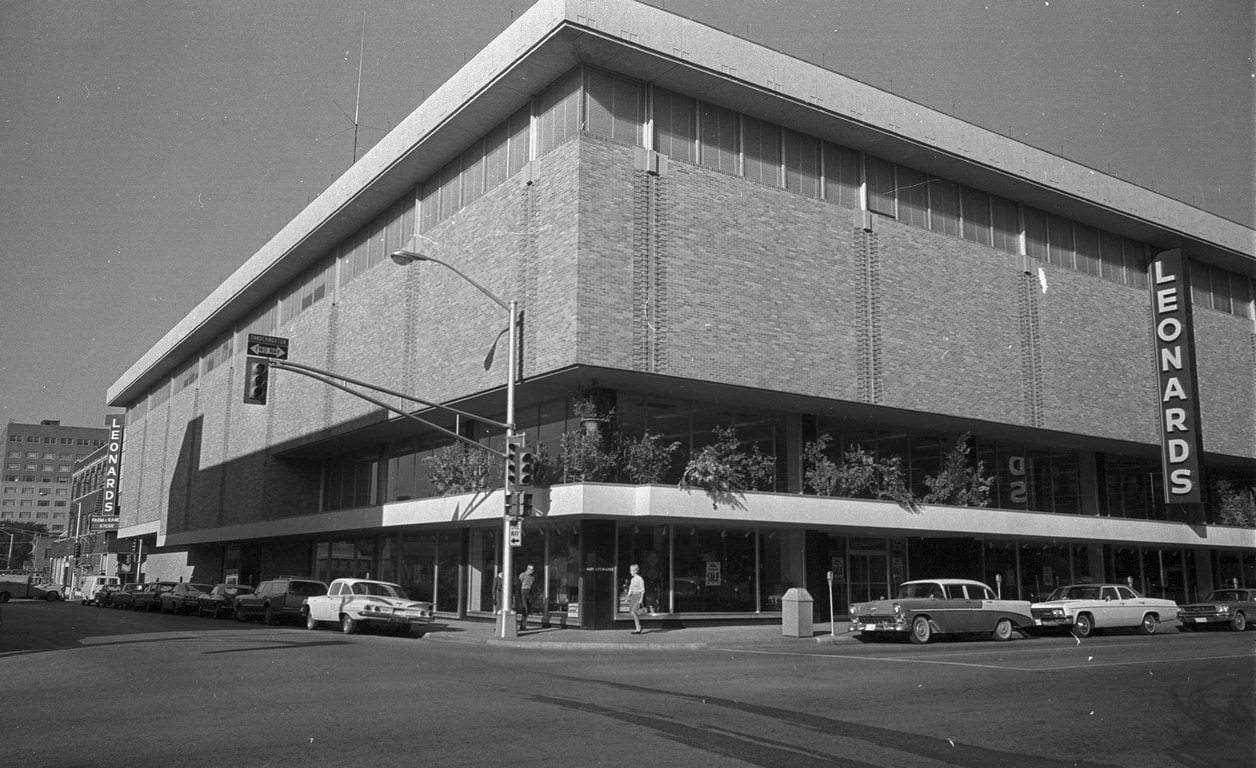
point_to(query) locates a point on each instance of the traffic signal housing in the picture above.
(513, 450)
(256, 380)
(527, 469)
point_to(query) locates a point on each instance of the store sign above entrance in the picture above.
(1180, 441)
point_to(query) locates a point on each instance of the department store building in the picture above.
(706, 233)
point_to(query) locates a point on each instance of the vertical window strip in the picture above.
(1086, 248)
(613, 107)
(675, 125)
(841, 175)
(802, 163)
(718, 139)
(975, 215)
(496, 157)
(913, 197)
(558, 113)
(1060, 241)
(879, 176)
(1136, 259)
(761, 151)
(1111, 258)
(944, 207)
(1005, 224)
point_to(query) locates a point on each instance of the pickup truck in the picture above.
(362, 603)
(26, 585)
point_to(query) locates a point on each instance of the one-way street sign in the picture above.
(274, 347)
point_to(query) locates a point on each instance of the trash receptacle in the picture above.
(796, 618)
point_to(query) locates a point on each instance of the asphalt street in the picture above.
(94, 687)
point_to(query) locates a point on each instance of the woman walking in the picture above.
(636, 597)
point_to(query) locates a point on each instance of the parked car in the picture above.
(360, 603)
(220, 599)
(94, 584)
(922, 609)
(149, 598)
(184, 597)
(102, 597)
(1233, 608)
(278, 599)
(1085, 609)
(125, 597)
(49, 592)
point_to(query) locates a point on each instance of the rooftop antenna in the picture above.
(357, 101)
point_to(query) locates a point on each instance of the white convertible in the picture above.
(358, 603)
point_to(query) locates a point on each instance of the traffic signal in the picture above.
(512, 462)
(527, 467)
(256, 380)
(78, 549)
(525, 504)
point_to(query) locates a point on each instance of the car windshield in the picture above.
(237, 589)
(379, 589)
(1226, 595)
(199, 587)
(1083, 592)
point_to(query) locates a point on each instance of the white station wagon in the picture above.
(360, 603)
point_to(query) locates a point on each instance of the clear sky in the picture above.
(149, 147)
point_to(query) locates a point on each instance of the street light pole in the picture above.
(506, 617)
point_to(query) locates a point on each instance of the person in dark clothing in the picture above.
(527, 580)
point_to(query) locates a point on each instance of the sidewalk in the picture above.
(671, 634)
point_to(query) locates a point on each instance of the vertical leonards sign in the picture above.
(113, 465)
(1180, 441)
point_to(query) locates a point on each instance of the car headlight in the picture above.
(898, 611)
(1223, 609)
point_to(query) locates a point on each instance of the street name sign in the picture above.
(274, 347)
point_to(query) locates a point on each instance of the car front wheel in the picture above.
(1149, 624)
(921, 632)
(271, 618)
(310, 623)
(1083, 625)
(1003, 630)
(348, 624)
(1239, 622)
(240, 614)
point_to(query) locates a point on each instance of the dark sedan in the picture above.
(101, 599)
(184, 597)
(220, 600)
(125, 597)
(1233, 608)
(149, 598)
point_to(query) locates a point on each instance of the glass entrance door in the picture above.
(869, 576)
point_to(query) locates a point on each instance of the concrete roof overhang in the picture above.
(672, 52)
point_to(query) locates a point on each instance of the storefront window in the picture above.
(715, 570)
(1000, 571)
(647, 546)
(562, 569)
(485, 550)
(449, 555)
(1127, 567)
(348, 559)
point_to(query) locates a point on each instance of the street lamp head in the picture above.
(405, 257)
